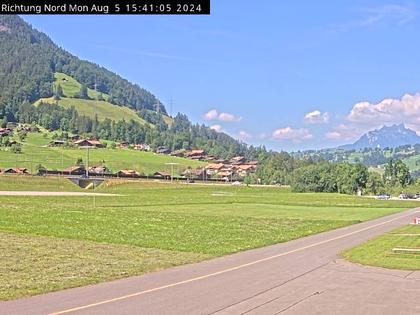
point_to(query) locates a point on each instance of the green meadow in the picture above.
(71, 87)
(102, 109)
(92, 107)
(379, 252)
(149, 226)
(35, 151)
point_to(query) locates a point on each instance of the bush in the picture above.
(16, 148)
(40, 169)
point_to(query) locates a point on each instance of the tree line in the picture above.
(180, 134)
(309, 175)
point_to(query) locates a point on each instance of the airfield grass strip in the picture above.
(34, 264)
(205, 234)
(379, 252)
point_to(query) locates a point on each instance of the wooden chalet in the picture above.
(196, 174)
(57, 143)
(75, 170)
(88, 143)
(16, 170)
(213, 168)
(128, 173)
(5, 132)
(194, 153)
(98, 170)
(162, 175)
(124, 145)
(244, 170)
(226, 174)
(141, 147)
(162, 150)
(237, 160)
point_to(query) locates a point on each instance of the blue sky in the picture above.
(256, 69)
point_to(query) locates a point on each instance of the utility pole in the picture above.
(87, 163)
(172, 170)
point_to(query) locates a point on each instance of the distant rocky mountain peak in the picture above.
(387, 136)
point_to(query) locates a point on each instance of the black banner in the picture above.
(85, 7)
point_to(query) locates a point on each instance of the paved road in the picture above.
(53, 194)
(304, 276)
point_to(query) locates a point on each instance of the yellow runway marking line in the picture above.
(79, 308)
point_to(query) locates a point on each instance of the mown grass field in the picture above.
(103, 109)
(71, 87)
(379, 252)
(151, 226)
(35, 151)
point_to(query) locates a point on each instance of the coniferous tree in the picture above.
(83, 94)
(58, 92)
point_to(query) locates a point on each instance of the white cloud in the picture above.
(344, 132)
(217, 128)
(316, 117)
(333, 135)
(229, 117)
(213, 114)
(366, 116)
(406, 109)
(295, 135)
(388, 13)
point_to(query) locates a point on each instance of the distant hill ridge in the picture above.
(388, 136)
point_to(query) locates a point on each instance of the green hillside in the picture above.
(102, 109)
(71, 87)
(32, 66)
(413, 162)
(29, 60)
(35, 151)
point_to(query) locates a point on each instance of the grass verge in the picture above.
(379, 252)
(33, 264)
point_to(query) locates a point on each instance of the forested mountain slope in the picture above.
(29, 59)
(31, 69)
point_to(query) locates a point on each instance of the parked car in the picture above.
(383, 197)
(407, 196)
